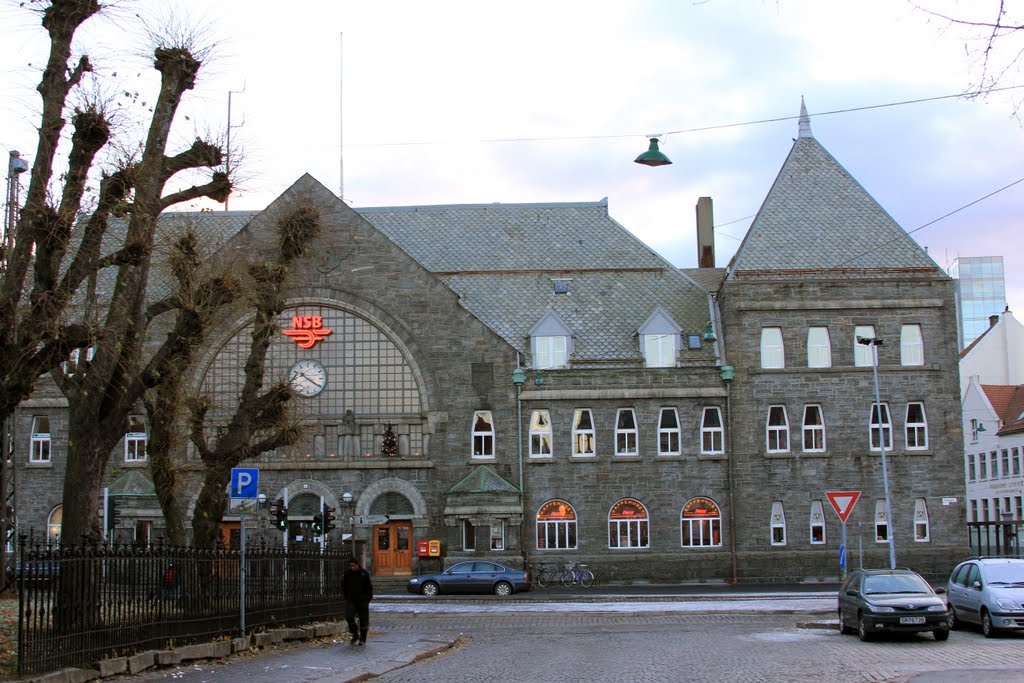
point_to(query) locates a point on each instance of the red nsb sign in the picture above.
(307, 330)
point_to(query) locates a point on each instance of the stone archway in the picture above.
(392, 542)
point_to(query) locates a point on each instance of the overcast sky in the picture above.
(477, 102)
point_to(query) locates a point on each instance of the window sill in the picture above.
(780, 456)
(540, 458)
(712, 456)
(41, 465)
(814, 454)
(584, 457)
(629, 456)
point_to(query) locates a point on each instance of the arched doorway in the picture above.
(392, 541)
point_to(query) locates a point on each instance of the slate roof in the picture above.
(1008, 402)
(483, 479)
(817, 217)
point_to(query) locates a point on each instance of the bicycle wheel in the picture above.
(586, 578)
(567, 578)
(542, 578)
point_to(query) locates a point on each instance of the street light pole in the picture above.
(347, 499)
(874, 343)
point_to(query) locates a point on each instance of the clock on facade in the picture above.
(307, 378)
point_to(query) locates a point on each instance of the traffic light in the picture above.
(113, 513)
(280, 514)
(329, 518)
(318, 524)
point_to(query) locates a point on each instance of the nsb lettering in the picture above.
(307, 322)
(307, 330)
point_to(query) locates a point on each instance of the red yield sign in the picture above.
(843, 502)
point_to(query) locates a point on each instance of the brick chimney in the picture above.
(705, 233)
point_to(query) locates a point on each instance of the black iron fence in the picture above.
(80, 604)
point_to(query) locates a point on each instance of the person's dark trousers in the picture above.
(361, 610)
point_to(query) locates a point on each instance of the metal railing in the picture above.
(997, 539)
(81, 604)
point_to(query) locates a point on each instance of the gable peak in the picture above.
(804, 124)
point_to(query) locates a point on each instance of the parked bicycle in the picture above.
(576, 573)
(540, 576)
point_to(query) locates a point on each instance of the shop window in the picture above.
(628, 525)
(556, 526)
(700, 524)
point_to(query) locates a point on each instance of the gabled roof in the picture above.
(817, 217)
(1008, 402)
(132, 483)
(483, 479)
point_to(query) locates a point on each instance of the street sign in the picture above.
(843, 502)
(244, 482)
(370, 520)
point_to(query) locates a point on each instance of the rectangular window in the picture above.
(921, 521)
(1015, 460)
(911, 345)
(817, 523)
(1019, 507)
(551, 352)
(982, 467)
(468, 535)
(974, 430)
(660, 350)
(625, 432)
(971, 473)
(778, 524)
(814, 429)
(583, 434)
(498, 534)
(773, 354)
(881, 523)
(712, 434)
(1005, 453)
(916, 427)
(135, 440)
(777, 430)
(40, 448)
(993, 465)
(863, 356)
(819, 348)
(668, 432)
(540, 434)
(483, 434)
(880, 428)
(974, 511)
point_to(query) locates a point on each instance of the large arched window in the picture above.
(628, 525)
(53, 524)
(556, 526)
(700, 524)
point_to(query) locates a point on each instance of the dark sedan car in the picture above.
(476, 576)
(873, 601)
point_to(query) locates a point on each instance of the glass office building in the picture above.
(981, 292)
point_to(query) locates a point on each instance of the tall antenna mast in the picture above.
(227, 152)
(341, 111)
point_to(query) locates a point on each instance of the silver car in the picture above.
(989, 592)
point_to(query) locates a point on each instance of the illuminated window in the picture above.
(700, 524)
(40, 448)
(583, 433)
(712, 434)
(625, 432)
(483, 434)
(819, 348)
(668, 432)
(921, 534)
(628, 525)
(863, 354)
(817, 523)
(881, 427)
(881, 523)
(778, 524)
(773, 353)
(53, 524)
(556, 526)
(911, 345)
(814, 429)
(540, 434)
(135, 440)
(777, 430)
(916, 427)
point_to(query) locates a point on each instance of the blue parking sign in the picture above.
(244, 482)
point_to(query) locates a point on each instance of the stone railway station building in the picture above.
(531, 381)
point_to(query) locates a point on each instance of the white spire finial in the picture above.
(804, 127)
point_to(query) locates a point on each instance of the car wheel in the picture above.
(954, 621)
(987, 629)
(941, 634)
(503, 589)
(429, 588)
(843, 628)
(862, 629)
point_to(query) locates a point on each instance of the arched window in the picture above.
(625, 432)
(628, 525)
(53, 524)
(483, 434)
(700, 524)
(540, 434)
(556, 526)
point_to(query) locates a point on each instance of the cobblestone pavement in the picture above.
(717, 648)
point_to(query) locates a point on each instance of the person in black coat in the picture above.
(357, 589)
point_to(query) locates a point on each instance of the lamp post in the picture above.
(347, 499)
(874, 343)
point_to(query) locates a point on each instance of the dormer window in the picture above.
(659, 340)
(561, 285)
(550, 343)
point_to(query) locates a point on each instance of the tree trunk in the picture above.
(210, 506)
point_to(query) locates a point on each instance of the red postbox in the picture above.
(423, 548)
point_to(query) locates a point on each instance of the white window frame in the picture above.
(550, 352)
(863, 354)
(982, 466)
(819, 348)
(636, 530)
(483, 435)
(498, 534)
(41, 448)
(911, 345)
(916, 432)
(1004, 464)
(584, 442)
(468, 536)
(559, 529)
(882, 530)
(773, 348)
(874, 443)
(700, 531)
(922, 529)
(712, 438)
(626, 437)
(660, 350)
(669, 437)
(777, 535)
(972, 472)
(776, 435)
(814, 432)
(54, 524)
(541, 444)
(817, 524)
(135, 440)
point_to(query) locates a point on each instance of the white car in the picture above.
(987, 591)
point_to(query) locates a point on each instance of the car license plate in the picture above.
(911, 620)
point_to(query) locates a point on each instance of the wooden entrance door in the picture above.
(392, 549)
